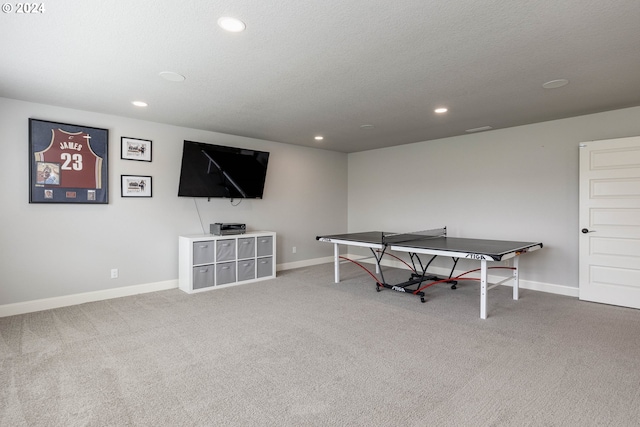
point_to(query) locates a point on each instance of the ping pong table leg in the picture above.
(336, 261)
(516, 281)
(483, 289)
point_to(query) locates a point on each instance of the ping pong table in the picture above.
(434, 243)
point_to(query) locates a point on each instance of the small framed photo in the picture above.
(135, 149)
(136, 186)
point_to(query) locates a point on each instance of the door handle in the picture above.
(586, 230)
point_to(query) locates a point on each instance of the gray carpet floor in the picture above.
(301, 350)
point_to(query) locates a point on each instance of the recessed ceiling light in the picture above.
(231, 24)
(319, 138)
(172, 77)
(480, 129)
(553, 84)
(140, 103)
(441, 110)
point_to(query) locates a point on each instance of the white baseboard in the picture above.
(67, 300)
(524, 284)
(552, 288)
(304, 263)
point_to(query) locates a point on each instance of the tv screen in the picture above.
(217, 171)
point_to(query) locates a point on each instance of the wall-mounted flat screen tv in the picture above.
(217, 171)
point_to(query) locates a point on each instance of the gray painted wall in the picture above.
(57, 250)
(519, 183)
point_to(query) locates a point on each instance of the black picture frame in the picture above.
(135, 186)
(135, 149)
(68, 163)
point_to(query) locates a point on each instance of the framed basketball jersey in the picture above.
(67, 163)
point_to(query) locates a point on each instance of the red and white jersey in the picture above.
(80, 167)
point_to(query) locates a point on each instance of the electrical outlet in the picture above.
(294, 249)
(114, 273)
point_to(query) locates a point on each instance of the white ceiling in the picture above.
(326, 67)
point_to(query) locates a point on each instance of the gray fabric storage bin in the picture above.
(203, 276)
(265, 245)
(265, 267)
(203, 252)
(246, 269)
(225, 250)
(246, 247)
(225, 273)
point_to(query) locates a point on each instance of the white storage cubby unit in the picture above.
(209, 262)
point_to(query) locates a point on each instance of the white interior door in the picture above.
(610, 221)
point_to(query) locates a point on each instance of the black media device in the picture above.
(217, 171)
(223, 229)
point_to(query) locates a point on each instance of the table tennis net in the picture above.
(389, 238)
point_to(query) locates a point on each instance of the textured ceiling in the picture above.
(304, 68)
